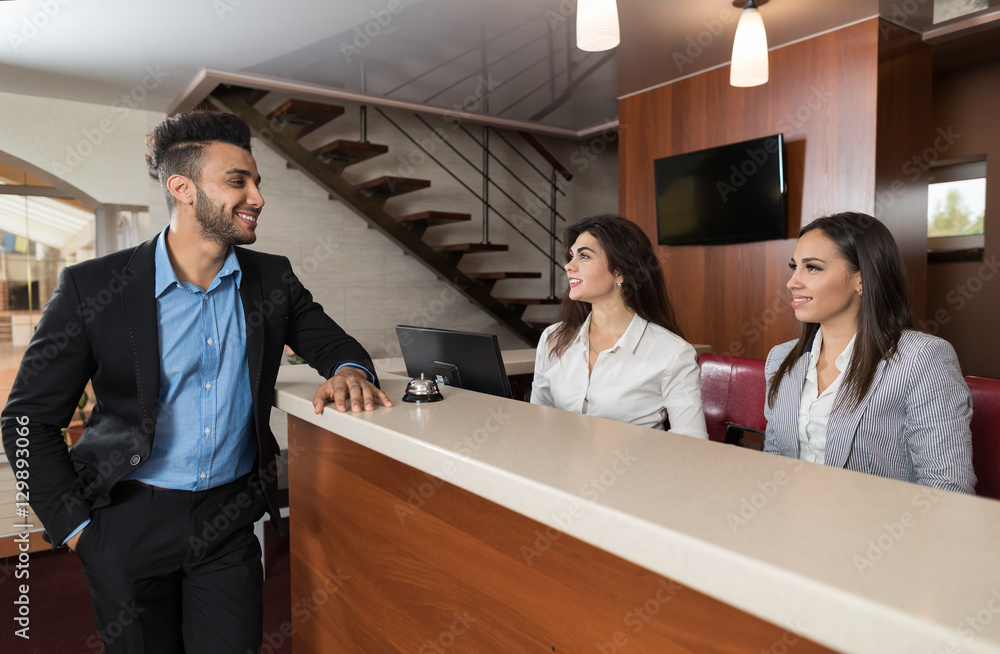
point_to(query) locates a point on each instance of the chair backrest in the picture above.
(986, 434)
(732, 393)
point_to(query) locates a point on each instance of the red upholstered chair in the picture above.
(732, 392)
(985, 434)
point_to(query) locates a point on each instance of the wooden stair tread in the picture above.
(472, 247)
(434, 217)
(349, 151)
(529, 300)
(504, 275)
(391, 186)
(312, 115)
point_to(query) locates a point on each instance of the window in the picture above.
(949, 9)
(956, 210)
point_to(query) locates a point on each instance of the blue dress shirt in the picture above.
(204, 431)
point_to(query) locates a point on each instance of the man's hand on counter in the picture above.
(349, 383)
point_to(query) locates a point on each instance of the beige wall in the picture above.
(363, 281)
(963, 299)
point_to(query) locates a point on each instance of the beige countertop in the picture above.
(855, 562)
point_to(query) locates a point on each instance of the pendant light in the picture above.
(749, 65)
(597, 25)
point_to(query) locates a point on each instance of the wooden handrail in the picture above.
(540, 149)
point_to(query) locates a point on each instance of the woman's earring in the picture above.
(859, 291)
(619, 284)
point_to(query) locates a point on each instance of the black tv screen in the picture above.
(729, 194)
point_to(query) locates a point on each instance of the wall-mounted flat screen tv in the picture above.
(728, 194)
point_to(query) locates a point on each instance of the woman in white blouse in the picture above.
(860, 388)
(616, 351)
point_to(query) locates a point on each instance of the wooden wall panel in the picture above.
(824, 97)
(419, 565)
(905, 107)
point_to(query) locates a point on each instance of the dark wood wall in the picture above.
(824, 96)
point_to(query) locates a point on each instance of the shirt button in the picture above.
(208, 385)
(201, 476)
(210, 341)
(205, 299)
(207, 431)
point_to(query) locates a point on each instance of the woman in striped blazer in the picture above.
(861, 388)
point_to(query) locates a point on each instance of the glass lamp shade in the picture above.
(597, 25)
(749, 66)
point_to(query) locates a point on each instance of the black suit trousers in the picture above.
(176, 572)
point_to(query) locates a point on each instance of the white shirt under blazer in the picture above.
(650, 375)
(913, 424)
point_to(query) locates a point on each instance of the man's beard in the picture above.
(219, 225)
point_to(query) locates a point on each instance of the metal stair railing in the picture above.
(550, 205)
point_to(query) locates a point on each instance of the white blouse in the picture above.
(815, 407)
(650, 375)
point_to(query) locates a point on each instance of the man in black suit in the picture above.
(182, 338)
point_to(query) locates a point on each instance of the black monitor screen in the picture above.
(729, 194)
(464, 359)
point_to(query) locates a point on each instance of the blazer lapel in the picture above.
(139, 301)
(252, 297)
(787, 407)
(843, 424)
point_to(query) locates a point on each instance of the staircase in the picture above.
(293, 119)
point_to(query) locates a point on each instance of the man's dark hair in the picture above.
(177, 144)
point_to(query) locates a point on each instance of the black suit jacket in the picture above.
(100, 325)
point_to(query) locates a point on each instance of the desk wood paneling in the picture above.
(386, 558)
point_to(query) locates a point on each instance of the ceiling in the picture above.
(419, 51)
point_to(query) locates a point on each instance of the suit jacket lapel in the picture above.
(252, 297)
(842, 427)
(787, 407)
(138, 290)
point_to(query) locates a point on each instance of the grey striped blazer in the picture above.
(913, 424)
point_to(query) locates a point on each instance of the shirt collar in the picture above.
(166, 277)
(842, 360)
(629, 340)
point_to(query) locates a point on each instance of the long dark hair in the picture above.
(867, 246)
(629, 254)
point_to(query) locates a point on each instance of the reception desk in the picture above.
(479, 524)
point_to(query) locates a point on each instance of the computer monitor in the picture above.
(463, 359)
